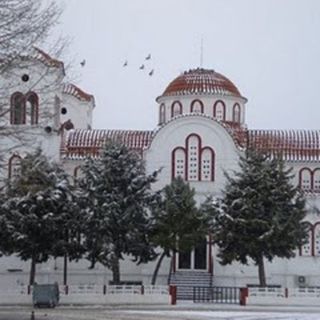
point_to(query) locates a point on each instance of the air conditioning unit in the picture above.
(301, 281)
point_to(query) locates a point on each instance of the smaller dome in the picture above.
(201, 81)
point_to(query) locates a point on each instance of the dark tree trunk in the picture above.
(262, 273)
(115, 268)
(157, 268)
(65, 269)
(32, 271)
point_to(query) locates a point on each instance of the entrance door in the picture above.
(195, 259)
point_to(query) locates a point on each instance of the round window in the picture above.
(25, 78)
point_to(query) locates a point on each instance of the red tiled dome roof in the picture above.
(201, 81)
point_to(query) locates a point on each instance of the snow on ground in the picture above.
(224, 315)
(186, 312)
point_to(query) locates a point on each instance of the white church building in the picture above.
(200, 134)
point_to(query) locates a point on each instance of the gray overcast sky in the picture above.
(270, 49)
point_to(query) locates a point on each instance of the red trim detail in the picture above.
(194, 102)
(215, 109)
(174, 103)
(13, 110)
(34, 114)
(213, 159)
(199, 159)
(173, 161)
(313, 238)
(199, 156)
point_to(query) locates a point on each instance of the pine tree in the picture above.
(35, 211)
(261, 214)
(118, 194)
(178, 224)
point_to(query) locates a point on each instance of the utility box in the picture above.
(46, 295)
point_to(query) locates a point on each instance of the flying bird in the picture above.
(151, 72)
(148, 57)
(83, 63)
(125, 63)
(141, 67)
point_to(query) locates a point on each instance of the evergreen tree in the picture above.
(118, 194)
(35, 210)
(261, 214)
(178, 224)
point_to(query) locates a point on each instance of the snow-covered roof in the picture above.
(79, 144)
(36, 54)
(201, 81)
(73, 90)
(291, 145)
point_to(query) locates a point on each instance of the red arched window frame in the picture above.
(315, 239)
(215, 109)
(17, 108)
(191, 160)
(194, 104)
(32, 102)
(236, 113)
(311, 241)
(211, 164)
(303, 184)
(175, 171)
(11, 165)
(176, 108)
(316, 180)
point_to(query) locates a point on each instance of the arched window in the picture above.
(176, 109)
(316, 180)
(207, 164)
(236, 113)
(14, 167)
(179, 162)
(196, 106)
(32, 108)
(305, 179)
(193, 149)
(316, 233)
(192, 162)
(219, 110)
(306, 250)
(17, 109)
(162, 116)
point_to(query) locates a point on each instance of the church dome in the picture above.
(201, 81)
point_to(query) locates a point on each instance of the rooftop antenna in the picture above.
(201, 53)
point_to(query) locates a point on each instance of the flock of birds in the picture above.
(125, 64)
(142, 66)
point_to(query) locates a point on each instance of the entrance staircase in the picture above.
(186, 280)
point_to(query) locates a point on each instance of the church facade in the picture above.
(200, 134)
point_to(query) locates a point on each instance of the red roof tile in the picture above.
(201, 81)
(291, 145)
(79, 144)
(75, 91)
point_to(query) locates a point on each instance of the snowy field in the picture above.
(125, 313)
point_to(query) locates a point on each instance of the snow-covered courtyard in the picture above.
(158, 313)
